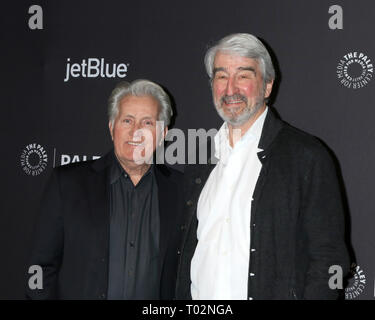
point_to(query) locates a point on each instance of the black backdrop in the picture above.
(47, 121)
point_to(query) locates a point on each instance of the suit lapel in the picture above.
(99, 196)
(271, 128)
(168, 206)
(99, 207)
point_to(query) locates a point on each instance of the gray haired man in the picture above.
(267, 221)
(108, 228)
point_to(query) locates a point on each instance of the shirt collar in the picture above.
(222, 146)
(117, 170)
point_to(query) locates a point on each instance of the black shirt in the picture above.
(134, 271)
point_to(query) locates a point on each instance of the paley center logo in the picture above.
(94, 68)
(357, 282)
(355, 70)
(34, 159)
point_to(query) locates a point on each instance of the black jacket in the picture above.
(297, 218)
(72, 233)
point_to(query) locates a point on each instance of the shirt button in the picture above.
(102, 296)
(183, 227)
(253, 225)
(198, 181)
(178, 252)
(252, 250)
(252, 274)
(226, 220)
(189, 203)
(131, 243)
(250, 298)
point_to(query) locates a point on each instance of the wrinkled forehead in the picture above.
(226, 61)
(234, 55)
(144, 104)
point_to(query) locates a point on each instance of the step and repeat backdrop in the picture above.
(61, 59)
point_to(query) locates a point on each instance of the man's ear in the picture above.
(110, 125)
(268, 89)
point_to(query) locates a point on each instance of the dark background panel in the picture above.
(166, 42)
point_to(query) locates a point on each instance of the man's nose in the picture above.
(132, 129)
(137, 132)
(231, 86)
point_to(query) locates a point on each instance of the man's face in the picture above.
(134, 131)
(237, 88)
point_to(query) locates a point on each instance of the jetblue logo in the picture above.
(94, 68)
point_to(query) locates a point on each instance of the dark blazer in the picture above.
(297, 218)
(72, 233)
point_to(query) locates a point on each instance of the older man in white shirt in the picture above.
(267, 221)
(223, 213)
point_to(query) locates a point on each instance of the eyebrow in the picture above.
(248, 69)
(240, 69)
(144, 118)
(217, 69)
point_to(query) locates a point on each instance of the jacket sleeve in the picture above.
(47, 248)
(323, 221)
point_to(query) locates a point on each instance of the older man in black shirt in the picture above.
(134, 236)
(108, 229)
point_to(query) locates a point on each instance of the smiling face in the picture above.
(134, 131)
(238, 88)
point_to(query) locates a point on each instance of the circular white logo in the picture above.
(357, 282)
(355, 70)
(34, 159)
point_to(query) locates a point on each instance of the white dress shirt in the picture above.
(220, 265)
